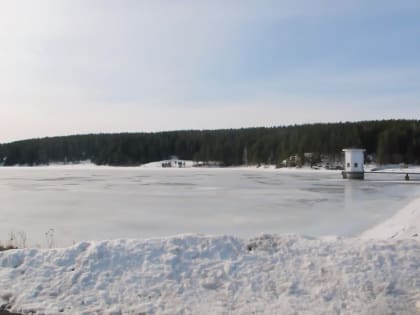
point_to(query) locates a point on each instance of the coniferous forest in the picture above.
(387, 141)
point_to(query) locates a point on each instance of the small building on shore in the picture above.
(173, 162)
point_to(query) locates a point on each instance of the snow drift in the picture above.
(195, 274)
(404, 224)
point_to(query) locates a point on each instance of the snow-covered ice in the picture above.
(111, 203)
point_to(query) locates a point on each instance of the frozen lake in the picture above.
(105, 203)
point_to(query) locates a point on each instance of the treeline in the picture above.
(388, 141)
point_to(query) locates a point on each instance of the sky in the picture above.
(91, 66)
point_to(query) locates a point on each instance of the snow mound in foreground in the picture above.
(193, 274)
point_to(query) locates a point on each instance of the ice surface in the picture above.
(82, 202)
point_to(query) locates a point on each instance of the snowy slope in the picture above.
(404, 224)
(194, 274)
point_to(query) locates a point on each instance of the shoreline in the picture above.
(156, 166)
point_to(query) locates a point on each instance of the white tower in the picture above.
(354, 164)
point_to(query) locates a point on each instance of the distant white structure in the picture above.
(354, 164)
(173, 162)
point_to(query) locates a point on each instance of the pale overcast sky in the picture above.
(81, 66)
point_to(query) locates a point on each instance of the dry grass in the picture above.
(8, 247)
(4, 312)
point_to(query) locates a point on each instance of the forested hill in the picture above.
(390, 141)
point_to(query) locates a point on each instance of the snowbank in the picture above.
(404, 224)
(194, 274)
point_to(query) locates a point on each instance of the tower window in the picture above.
(356, 165)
